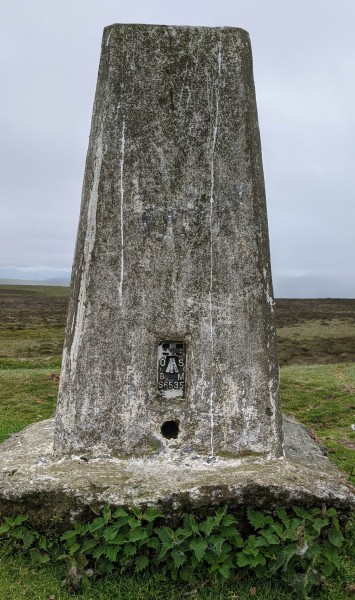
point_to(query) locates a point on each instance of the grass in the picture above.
(19, 579)
(26, 395)
(44, 341)
(315, 331)
(24, 307)
(316, 341)
(322, 397)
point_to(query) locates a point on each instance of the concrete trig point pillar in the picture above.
(170, 338)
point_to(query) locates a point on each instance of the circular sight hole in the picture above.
(170, 429)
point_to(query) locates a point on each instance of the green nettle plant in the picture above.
(197, 547)
(118, 539)
(301, 546)
(17, 536)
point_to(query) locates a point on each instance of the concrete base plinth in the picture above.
(34, 482)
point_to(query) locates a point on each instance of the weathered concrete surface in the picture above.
(172, 246)
(32, 481)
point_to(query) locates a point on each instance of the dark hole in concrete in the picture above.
(170, 429)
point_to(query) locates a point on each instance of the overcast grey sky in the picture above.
(304, 67)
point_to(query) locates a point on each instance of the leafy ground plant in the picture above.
(205, 546)
(300, 547)
(116, 539)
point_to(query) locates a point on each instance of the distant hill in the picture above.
(314, 286)
(65, 282)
